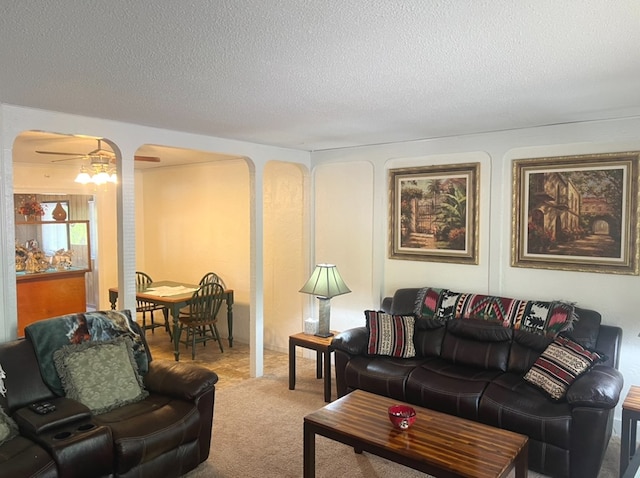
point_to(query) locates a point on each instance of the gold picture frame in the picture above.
(576, 213)
(433, 213)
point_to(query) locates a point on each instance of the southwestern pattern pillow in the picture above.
(390, 335)
(101, 375)
(562, 362)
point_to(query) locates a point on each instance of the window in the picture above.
(54, 236)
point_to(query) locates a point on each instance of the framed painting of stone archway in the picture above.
(434, 213)
(576, 213)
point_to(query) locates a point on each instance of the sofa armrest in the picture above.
(598, 388)
(352, 341)
(178, 379)
(67, 411)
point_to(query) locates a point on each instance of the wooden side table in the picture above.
(323, 349)
(630, 417)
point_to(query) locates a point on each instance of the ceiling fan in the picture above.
(98, 155)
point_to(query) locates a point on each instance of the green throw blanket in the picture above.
(49, 335)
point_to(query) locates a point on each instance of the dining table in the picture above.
(173, 296)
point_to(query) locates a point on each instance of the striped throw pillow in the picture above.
(390, 335)
(561, 363)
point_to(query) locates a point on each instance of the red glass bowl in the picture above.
(402, 416)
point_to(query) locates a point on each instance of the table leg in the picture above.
(522, 462)
(309, 465)
(113, 297)
(292, 365)
(327, 375)
(230, 318)
(318, 364)
(165, 313)
(175, 312)
(625, 443)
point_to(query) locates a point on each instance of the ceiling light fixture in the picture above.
(100, 171)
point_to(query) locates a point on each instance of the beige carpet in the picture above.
(257, 432)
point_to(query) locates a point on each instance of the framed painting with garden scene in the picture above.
(576, 213)
(434, 213)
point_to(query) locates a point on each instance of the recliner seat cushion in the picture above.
(21, 457)
(441, 385)
(511, 403)
(145, 430)
(382, 375)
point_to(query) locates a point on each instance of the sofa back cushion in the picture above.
(525, 349)
(586, 328)
(404, 301)
(427, 338)
(23, 382)
(478, 343)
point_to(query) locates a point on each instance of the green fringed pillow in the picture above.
(101, 375)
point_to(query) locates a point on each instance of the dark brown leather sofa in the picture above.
(166, 434)
(474, 369)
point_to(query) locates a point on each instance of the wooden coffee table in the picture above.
(441, 445)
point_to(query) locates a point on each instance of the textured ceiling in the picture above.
(324, 74)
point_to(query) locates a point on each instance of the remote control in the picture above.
(42, 408)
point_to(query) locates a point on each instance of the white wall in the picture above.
(196, 220)
(343, 232)
(614, 296)
(286, 242)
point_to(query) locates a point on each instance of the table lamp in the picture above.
(324, 283)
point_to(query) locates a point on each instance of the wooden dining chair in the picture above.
(143, 279)
(201, 320)
(209, 277)
(214, 278)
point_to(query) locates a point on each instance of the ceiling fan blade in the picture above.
(68, 159)
(150, 159)
(60, 153)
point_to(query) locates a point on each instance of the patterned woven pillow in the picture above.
(536, 317)
(546, 318)
(448, 304)
(427, 302)
(390, 335)
(561, 363)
